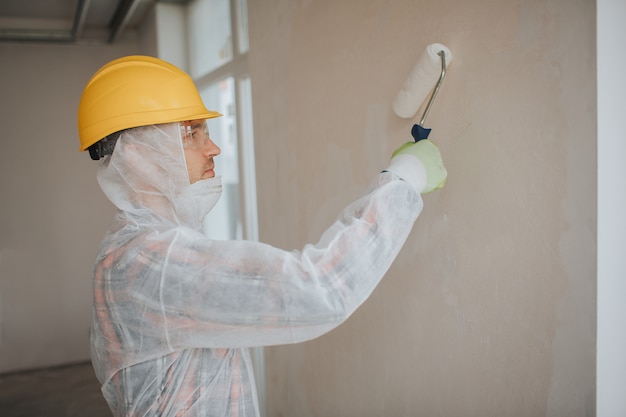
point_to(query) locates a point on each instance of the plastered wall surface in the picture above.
(53, 214)
(489, 309)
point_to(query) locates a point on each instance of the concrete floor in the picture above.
(66, 391)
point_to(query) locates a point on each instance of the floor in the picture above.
(67, 391)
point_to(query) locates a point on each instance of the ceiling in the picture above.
(67, 21)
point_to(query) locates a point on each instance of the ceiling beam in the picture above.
(122, 17)
(49, 35)
(79, 18)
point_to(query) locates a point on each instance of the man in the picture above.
(174, 311)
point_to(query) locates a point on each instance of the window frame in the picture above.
(237, 68)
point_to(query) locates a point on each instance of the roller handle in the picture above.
(419, 133)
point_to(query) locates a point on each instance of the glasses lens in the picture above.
(195, 134)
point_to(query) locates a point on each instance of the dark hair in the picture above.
(104, 146)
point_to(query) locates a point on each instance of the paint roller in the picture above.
(429, 70)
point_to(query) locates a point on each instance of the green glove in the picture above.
(428, 154)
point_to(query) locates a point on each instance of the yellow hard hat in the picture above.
(136, 91)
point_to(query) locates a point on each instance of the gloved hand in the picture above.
(431, 168)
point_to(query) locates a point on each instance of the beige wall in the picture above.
(53, 215)
(490, 308)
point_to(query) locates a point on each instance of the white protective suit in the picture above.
(174, 311)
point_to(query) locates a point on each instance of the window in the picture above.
(218, 47)
(210, 39)
(218, 61)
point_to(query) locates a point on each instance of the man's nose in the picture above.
(211, 149)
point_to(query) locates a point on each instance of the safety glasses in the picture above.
(195, 134)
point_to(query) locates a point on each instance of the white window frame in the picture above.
(237, 68)
(172, 46)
